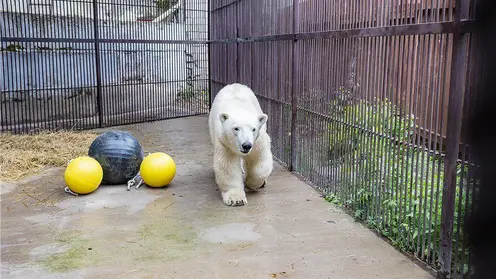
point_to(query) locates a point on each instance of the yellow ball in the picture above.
(83, 175)
(158, 169)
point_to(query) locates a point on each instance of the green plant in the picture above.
(13, 48)
(189, 93)
(192, 98)
(392, 185)
(164, 5)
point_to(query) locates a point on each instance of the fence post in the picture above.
(97, 63)
(238, 66)
(454, 123)
(209, 54)
(294, 98)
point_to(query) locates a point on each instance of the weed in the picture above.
(390, 184)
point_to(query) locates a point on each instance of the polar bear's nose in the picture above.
(246, 146)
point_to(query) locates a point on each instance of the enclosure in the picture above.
(367, 100)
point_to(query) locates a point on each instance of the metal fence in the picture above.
(76, 64)
(368, 101)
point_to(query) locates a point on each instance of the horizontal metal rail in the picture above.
(394, 140)
(113, 85)
(125, 4)
(400, 30)
(466, 26)
(92, 41)
(224, 6)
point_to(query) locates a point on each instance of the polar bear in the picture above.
(242, 151)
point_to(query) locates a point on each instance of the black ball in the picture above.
(120, 155)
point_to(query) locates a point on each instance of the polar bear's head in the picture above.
(241, 130)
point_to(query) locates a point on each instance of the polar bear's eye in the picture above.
(236, 129)
(254, 129)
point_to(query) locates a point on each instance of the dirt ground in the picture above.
(184, 230)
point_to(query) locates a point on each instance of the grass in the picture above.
(363, 156)
(396, 189)
(24, 155)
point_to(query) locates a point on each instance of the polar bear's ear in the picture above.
(262, 119)
(223, 117)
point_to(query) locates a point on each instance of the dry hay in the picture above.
(24, 155)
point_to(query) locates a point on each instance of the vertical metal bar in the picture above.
(434, 124)
(399, 120)
(455, 110)
(294, 98)
(184, 11)
(97, 63)
(209, 54)
(426, 140)
(463, 176)
(236, 19)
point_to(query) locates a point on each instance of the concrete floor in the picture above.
(185, 231)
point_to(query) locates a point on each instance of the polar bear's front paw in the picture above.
(234, 197)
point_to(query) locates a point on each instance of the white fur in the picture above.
(235, 113)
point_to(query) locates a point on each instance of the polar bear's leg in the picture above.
(229, 177)
(259, 165)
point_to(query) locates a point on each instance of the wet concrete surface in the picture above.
(184, 230)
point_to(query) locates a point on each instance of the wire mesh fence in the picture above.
(75, 64)
(367, 100)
